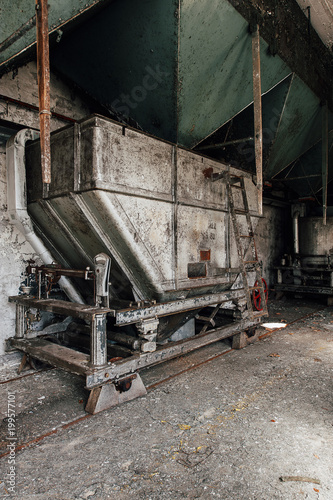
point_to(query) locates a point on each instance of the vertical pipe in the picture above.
(325, 158)
(43, 74)
(258, 141)
(296, 232)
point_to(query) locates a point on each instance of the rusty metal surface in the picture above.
(132, 315)
(257, 107)
(82, 311)
(43, 74)
(54, 354)
(285, 28)
(315, 237)
(135, 362)
(110, 395)
(108, 196)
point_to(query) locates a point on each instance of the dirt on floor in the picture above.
(255, 423)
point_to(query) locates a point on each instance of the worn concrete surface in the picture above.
(228, 428)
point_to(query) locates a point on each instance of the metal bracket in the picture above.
(245, 338)
(102, 271)
(112, 394)
(148, 333)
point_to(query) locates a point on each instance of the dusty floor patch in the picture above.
(229, 428)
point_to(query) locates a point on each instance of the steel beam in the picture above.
(134, 315)
(138, 361)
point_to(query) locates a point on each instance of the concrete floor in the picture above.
(227, 428)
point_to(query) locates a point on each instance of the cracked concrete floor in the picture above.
(229, 428)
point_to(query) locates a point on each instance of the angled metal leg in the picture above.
(114, 393)
(243, 339)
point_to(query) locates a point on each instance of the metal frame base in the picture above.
(112, 394)
(243, 339)
(116, 381)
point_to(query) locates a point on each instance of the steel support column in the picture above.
(43, 72)
(325, 140)
(258, 141)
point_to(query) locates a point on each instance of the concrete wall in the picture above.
(272, 235)
(14, 250)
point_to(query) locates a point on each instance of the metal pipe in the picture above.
(43, 74)
(257, 105)
(227, 143)
(17, 202)
(325, 141)
(296, 232)
(126, 340)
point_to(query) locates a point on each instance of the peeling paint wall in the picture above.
(14, 250)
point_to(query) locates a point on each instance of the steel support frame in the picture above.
(122, 368)
(96, 316)
(135, 315)
(111, 383)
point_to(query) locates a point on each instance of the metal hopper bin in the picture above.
(156, 239)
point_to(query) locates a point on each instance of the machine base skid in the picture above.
(117, 381)
(243, 339)
(106, 396)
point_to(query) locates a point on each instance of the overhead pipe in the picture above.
(17, 203)
(223, 144)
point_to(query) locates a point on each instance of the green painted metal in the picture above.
(299, 128)
(242, 125)
(181, 70)
(12, 17)
(273, 105)
(309, 164)
(126, 58)
(215, 68)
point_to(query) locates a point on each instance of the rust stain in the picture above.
(204, 255)
(208, 172)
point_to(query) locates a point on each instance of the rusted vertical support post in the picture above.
(258, 141)
(43, 73)
(325, 158)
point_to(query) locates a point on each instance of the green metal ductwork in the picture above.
(182, 70)
(18, 27)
